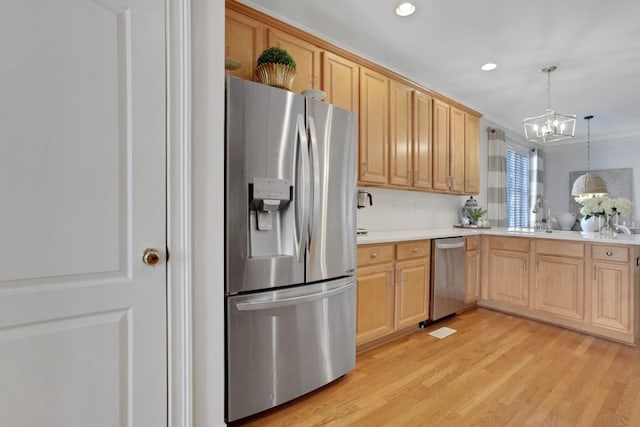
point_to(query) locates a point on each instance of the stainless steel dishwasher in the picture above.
(448, 263)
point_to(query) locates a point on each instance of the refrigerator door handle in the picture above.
(287, 302)
(302, 229)
(315, 164)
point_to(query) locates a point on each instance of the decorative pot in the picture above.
(566, 220)
(276, 75)
(590, 225)
(471, 203)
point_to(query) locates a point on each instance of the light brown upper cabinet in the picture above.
(441, 177)
(374, 127)
(409, 137)
(456, 150)
(244, 42)
(471, 154)
(422, 140)
(401, 140)
(306, 55)
(341, 81)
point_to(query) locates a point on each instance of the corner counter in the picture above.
(436, 233)
(581, 281)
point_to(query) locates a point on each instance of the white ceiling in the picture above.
(594, 43)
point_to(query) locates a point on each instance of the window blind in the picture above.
(517, 189)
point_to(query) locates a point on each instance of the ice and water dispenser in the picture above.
(271, 217)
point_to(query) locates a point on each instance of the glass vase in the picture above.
(609, 228)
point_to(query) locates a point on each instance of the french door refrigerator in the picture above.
(290, 245)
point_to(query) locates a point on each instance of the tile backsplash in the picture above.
(406, 210)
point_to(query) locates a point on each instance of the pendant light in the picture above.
(550, 126)
(588, 185)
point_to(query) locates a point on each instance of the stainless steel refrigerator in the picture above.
(290, 244)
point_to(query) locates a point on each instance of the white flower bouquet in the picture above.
(606, 207)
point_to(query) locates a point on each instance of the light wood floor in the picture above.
(497, 370)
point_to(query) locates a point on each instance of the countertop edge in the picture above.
(374, 237)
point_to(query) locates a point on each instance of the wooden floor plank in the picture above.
(497, 370)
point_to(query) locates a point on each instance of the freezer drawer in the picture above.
(283, 344)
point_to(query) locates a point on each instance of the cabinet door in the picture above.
(456, 150)
(440, 145)
(341, 81)
(559, 286)
(472, 278)
(401, 139)
(374, 127)
(422, 140)
(375, 302)
(412, 292)
(471, 154)
(611, 296)
(509, 277)
(244, 42)
(306, 55)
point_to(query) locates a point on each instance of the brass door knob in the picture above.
(151, 256)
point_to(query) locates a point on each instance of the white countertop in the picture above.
(435, 233)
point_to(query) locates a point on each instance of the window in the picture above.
(517, 187)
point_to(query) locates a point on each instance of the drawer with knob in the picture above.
(473, 243)
(415, 249)
(373, 254)
(610, 253)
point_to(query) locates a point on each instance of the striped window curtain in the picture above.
(536, 185)
(497, 179)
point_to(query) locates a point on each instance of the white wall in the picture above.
(406, 210)
(560, 160)
(208, 226)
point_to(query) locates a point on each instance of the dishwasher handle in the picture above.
(449, 245)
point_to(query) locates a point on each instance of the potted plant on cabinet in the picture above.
(275, 67)
(474, 214)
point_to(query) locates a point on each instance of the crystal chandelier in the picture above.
(550, 126)
(587, 185)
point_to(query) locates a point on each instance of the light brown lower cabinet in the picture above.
(472, 273)
(412, 291)
(613, 289)
(393, 288)
(375, 302)
(590, 287)
(611, 296)
(559, 279)
(509, 271)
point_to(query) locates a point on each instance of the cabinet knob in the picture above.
(415, 250)
(374, 254)
(609, 253)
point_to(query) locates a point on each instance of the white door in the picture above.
(82, 194)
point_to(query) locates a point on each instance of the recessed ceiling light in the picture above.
(488, 66)
(405, 9)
